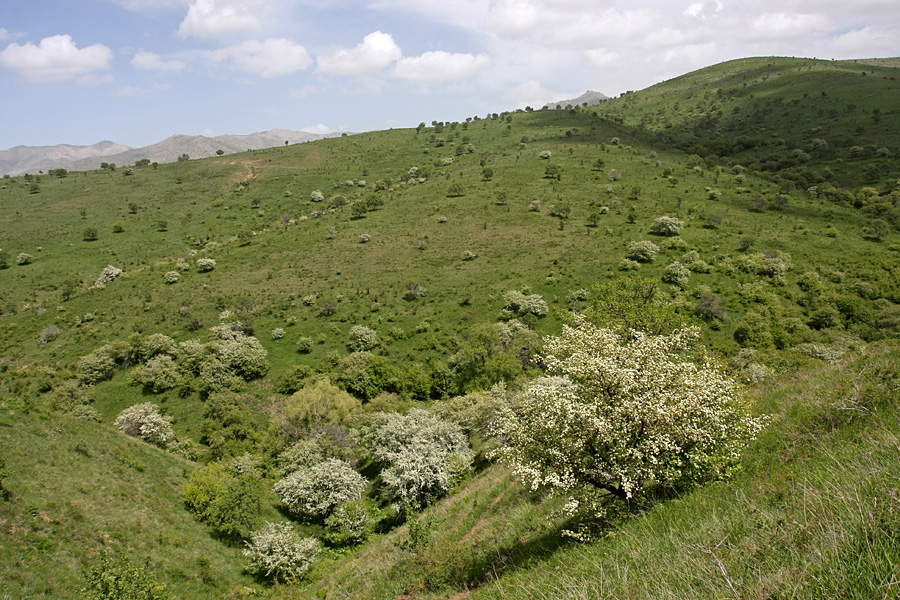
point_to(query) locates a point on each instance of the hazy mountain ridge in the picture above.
(31, 159)
(590, 97)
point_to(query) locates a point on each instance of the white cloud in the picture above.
(532, 93)
(374, 53)
(8, 36)
(150, 6)
(440, 66)
(148, 61)
(269, 58)
(130, 91)
(864, 42)
(307, 90)
(703, 10)
(221, 18)
(319, 129)
(56, 58)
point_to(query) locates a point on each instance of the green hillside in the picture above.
(418, 274)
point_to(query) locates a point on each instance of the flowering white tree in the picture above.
(279, 552)
(623, 412)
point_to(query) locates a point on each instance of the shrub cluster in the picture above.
(643, 251)
(667, 226)
(206, 264)
(362, 338)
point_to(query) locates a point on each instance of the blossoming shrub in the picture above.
(362, 338)
(422, 456)
(644, 251)
(622, 413)
(315, 491)
(676, 274)
(158, 343)
(97, 366)
(667, 226)
(109, 274)
(278, 552)
(518, 303)
(146, 422)
(206, 264)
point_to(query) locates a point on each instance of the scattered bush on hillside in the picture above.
(667, 226)
(160, 373)
(677, 274)
(121, 579)
(171, 276)
(226, 496)
(157, 343)
(421, 455)
(146, 422)
(362, 338)
(350, 523)
(242, 354)
(304, 345)
(109, 274)
(204, 265)
(623, 415)
(317, 406)
(643, 251)
(278, 552)
(278, 333)
(97, 366)
(518, 303)
(314, 492)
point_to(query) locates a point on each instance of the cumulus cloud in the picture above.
(440, 66)
(56, 58)
(532, 93)
(307, 90)
(221, 18)
(319, 129)
(8, 36)
(374, 53)
(148, 61)
(269, 58)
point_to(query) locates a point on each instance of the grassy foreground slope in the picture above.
(814, 514)
(418, 235)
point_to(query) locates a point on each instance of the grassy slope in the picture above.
(78, 489)
(283, 263)
(814, 514)
(762, 109)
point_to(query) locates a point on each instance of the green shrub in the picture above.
(349, 523)
(121, 579)
(278, 552)
(172, 276)
(24, 259)
(159, 374)
(827, 317)
(97, 366)
(315, 407)
(89, 234)
(753, 332)
(228, 499)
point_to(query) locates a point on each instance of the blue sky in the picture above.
(137, 71)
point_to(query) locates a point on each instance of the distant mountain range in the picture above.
(589, 97)
(31, 159)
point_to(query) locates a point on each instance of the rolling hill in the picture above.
(423, 268)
